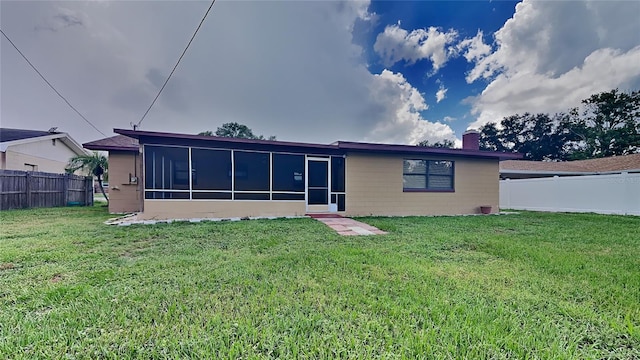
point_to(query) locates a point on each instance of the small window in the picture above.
(337, 174)
(30, 167)
(427, 175)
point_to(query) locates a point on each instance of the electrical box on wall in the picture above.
(133, 179)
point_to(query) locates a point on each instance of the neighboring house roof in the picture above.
(339, 147)
(118, 142)
(578, 167)
(9, 137)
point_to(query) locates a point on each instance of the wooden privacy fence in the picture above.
(30, 189)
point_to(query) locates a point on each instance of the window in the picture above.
(251, 174)
(288, 173)
(166, 168)
(251, 171)
(427, 175)
(337, 174)
(211, 169)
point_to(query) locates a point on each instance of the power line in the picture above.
(176, 66)
(51, 86)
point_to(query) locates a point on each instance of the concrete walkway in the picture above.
(347, 226)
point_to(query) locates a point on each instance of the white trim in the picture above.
(233, 173)
(190, 175)
(245, 150)
(64, 137)
(270, 175)
(309, 208)
(232, 191)
(225, 200)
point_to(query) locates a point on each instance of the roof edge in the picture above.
(63, 136)
(338, 145)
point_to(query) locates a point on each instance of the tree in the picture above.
(235, 130)
(96, 164)
(536, 136)
(446, 143)
(610, 124)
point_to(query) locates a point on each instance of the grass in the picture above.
(527, 286)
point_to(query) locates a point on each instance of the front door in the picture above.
(317, 184)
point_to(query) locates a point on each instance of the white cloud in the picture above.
(474, 48)
(288, 69)
(551, 55)
(396, 44)
(529, 92)
(403, 106)
(441, 94)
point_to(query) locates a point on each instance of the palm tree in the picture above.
(95, 163)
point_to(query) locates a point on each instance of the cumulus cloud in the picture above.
(474, 49)
(550, 55)
(284, 68)
(395, 44)
(441, 94)
(403, 106)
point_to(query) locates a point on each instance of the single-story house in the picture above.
(33, 150)
(523, 169)
(125, 168)
(168, 175)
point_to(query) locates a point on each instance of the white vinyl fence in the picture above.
(604, 194)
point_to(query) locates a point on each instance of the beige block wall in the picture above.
(374, 187)
(124, 197)
(43, 153)
(16, 161)
(185, 209)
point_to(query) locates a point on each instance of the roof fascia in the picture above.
(6, 144)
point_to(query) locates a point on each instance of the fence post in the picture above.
(88, 190)
(28, 190)
(65, 189)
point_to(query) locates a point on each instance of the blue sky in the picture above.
(314, 71)
(465, 17)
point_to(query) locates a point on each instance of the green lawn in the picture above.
(533, 285)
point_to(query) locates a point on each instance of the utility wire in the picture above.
(51, 86)
(176, 66)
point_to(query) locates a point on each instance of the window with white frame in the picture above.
(222, 174)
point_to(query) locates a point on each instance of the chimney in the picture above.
(471, 140)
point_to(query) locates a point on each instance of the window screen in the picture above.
(251, 171)
(166, 168)
(288, 173)
(211, 169)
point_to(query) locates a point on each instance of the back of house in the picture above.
(168, 175)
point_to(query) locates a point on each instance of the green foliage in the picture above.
(235, 130)
(536, 136)
(608, 126)
(96, 164)
(527, 286)
(445, 143)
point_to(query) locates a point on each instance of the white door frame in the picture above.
(323, 208)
